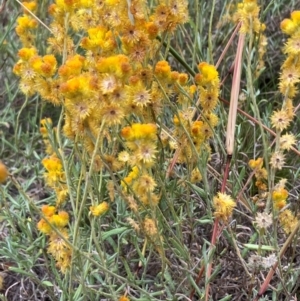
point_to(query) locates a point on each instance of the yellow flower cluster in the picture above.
(113, 78)
(57, 247)
(46, 125)
(290, 75)
(100, 209)
(286, 218)
(102, 68)
(124, 298)
(248, 14)
(281, 119)
(194, 134)
(288, 221)
(223, 205)
(26, 24)
(261, 176)
(54, 175)
(141, 141)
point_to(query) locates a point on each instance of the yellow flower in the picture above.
(60, 220)
(144, 184)
(288, 26)
(44, 227)
(149, 227)
(99, 209)
(25, 23)
(3, 173)
(72, 67)
(133, 224)
(123, 156)
(208, 99)
(196, 128)
(76, 87)
(117, 65)
(108, 84)
(112, 162)
(277, 160)
(256, 164)
(280, 120)
(211, 118)
(295, 16)
(54, 170)
(290, 76)
(132, 203)
(163, 70)
(95, 39)
(279, 197)
(261, 185)
(183, 78)
(57, 245)
(209, 73)
(52, 163)
(223, 205)
(293, 45)
(196, 176)
(27, 53)
(145, 153)
(287, 141)
(30, 6)
(141, 97)
(139, 131)
(124, 298)
(287, 221)
(113, 114)
(48, 210)
(261, 173)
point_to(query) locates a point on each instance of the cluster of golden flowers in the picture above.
(194, 134)
(53, 224)
(55, 175)
(55, 221)
(260, 174)
(248, 14)
(223, 205)
(280, 121)
(139, 185)
(104, 68)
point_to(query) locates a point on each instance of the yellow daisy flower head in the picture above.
(223, 205)
(209, 73)
(196, 175)
(277, 160)
(150, 227)
(287, 141)
(99, 209)
(256, 164)
(124, 298)
(123, 156)
(280, 120)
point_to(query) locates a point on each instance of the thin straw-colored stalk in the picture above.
(34, 16)
(235, 90)
(228, 44)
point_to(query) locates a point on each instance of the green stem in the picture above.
(210, 48)
(83, 201)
